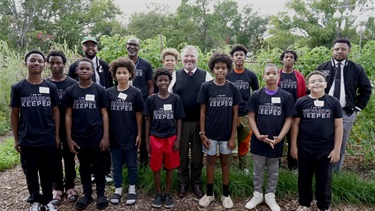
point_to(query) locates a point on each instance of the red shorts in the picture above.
(162, 152)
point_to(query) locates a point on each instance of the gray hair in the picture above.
(189, 47)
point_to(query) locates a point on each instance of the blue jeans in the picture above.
(119, 158)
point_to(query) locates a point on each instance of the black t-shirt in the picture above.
(36, 126)
(244, 81)
(163, 114)
(288, 82)
(87, 121)
(122, 108)
(270, 114)
(317, 127)
(143, 72)
(219, 101)
(61, 87)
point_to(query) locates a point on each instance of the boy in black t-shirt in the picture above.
(35, 123)
(316, 151)
(270, 115)
(56, 61)
(219, 101)
(247, 82)
(125, 131)
(86, 122)
(163, 112)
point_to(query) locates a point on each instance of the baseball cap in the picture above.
(86, 39)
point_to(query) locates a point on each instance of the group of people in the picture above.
(175, 117)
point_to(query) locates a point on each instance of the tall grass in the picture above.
(9, 157)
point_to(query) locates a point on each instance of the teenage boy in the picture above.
(170, 59)
(163, 113)
(86, 122)
(102, 76)
(348, 82)
(219, 101)
(125, 131)
(35, 123)
(292, 81)
(56, 61)
(143, 81)
(270, 115)
(247, 82)
(314, 150)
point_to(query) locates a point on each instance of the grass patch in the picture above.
(9, 157)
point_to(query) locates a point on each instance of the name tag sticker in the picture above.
(167, 107)
(90, 97)
(122, 96)
(319, 103)
(44, 90)
(275, 100)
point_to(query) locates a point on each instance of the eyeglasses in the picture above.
(87, 45)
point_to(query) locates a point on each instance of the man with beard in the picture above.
(186, 83)
(292, 81)
(101, 76)
(348, 82)
(143, 81)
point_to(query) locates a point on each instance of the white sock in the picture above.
(132, 189)
(118, 191)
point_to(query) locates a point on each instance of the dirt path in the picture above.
(13, 193)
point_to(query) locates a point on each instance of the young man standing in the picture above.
(247, 82)
(348, 82)
(101, 76)
(292, 81)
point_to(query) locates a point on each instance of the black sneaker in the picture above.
(168, 202)
(158, 201)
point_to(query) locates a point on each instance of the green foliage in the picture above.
(34, 23)
(312, 23)
(9, 157)
(362, 192)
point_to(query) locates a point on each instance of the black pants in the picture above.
(92, 158)
(40, 160)
(292, 163)
(59, 182)
(318, 164)
(143, 154)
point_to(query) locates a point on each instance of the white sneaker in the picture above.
(51, 206)
(257, 199)
(271, 201)
(35, 206)
(303, 208)
(227, 202)
(206, 200)
(108, 178)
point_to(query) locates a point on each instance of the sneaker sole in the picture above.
(155, 206)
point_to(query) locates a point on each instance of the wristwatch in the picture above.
(202, 133)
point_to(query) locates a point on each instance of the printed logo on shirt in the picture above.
(60, 93)
(316, 113)
(138, 72)
(221, 101)
(270, 109)
(82, 103)
(35, 100)
(163, 114)
(288, 84)
(121, 105)
(240, 84)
